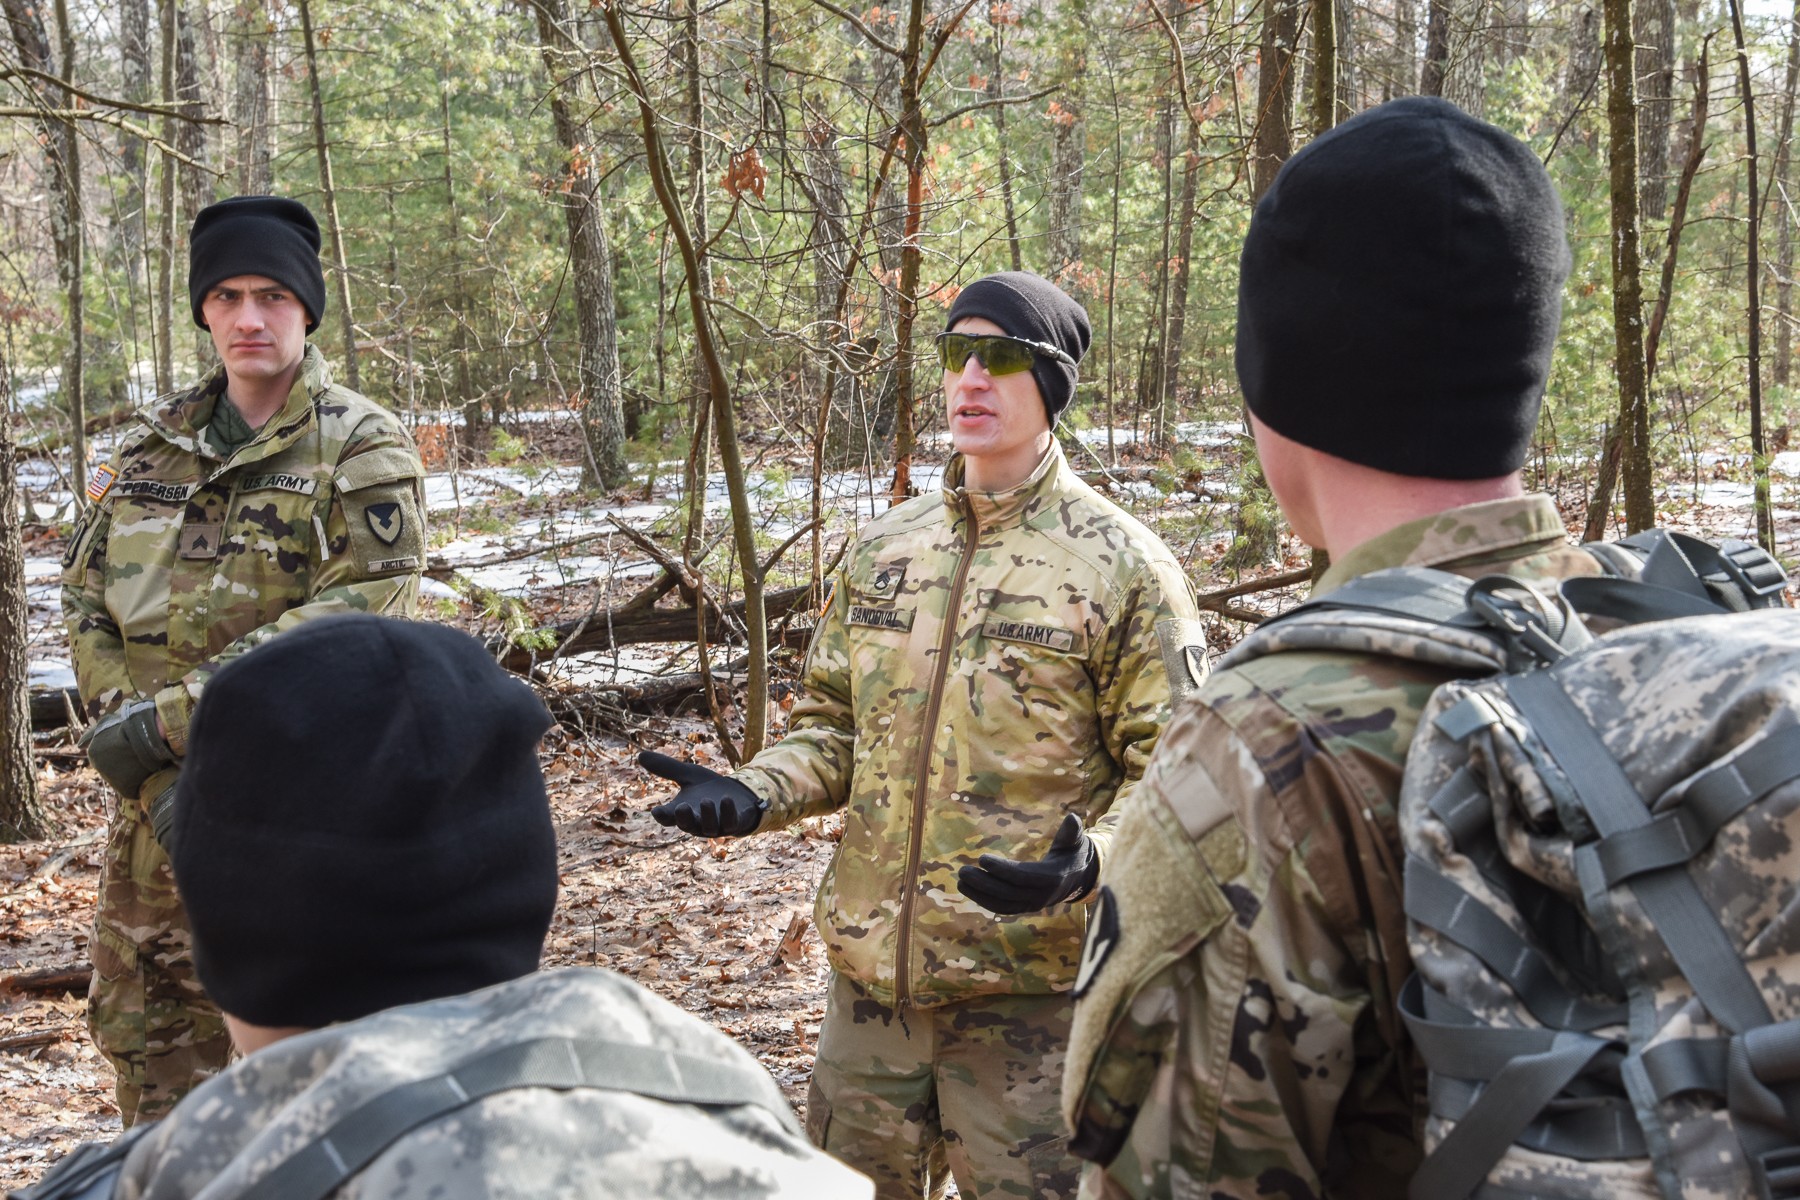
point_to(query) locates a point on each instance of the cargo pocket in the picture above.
(818, 1114)
(379, 492)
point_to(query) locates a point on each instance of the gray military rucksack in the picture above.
(1602, 883)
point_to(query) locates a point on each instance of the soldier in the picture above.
(364, 844)
(263, 497)
(1237, 1032)
(983, 688)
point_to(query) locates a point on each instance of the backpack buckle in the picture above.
(1753, 569)
(1537, 630)
(1776, 1173)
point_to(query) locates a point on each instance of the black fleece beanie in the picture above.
(1400, 292)
(257, 235)
(1030, 306)
(361, 822)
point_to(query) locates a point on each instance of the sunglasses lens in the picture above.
(1000, 355)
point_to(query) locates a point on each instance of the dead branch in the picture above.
(49, 981)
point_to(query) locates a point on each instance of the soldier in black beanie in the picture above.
(366, 849)
(1239, 1031)
(261, 497)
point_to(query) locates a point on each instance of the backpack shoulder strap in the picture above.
(359, 1136)
(1414, 613)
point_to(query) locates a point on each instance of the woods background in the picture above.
(722, 236)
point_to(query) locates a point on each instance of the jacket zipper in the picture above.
(933, 703)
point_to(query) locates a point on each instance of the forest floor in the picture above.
(720, 928)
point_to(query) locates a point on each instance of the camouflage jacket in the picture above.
(529, 1142)
(987, 663)
(184, 561)
(1236, 1031)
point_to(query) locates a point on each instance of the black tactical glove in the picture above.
(708, 805)
(162, 819)
(1010, 887)
(126, 748)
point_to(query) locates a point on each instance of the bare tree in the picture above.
(328, 185)
(21, 817)
(1628, 301)
(1759, 451)
(590, 261)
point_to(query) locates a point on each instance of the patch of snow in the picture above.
(49, 673)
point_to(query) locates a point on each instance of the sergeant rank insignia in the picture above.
(386, 521)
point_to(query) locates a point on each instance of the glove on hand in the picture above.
(126, 748)
(708, 805)
(1009, 887)
(162, 819)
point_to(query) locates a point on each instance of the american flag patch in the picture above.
(100, 483)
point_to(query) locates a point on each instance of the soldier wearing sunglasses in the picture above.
(984, 686)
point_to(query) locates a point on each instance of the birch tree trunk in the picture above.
(21, 817)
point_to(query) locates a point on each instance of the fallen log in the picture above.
(49, 981)
(50, 707)
(626, 626)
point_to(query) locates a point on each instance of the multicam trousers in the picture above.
(911, 1097)
(146, 1011)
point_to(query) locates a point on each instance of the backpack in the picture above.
(1602, 880)
(338, 1151)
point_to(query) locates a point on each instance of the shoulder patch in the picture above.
(100, 483)
(1102, 937)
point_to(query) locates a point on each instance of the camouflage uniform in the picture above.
(987, 664)
(183, 562)
(1236, 1032)
(529, 1142)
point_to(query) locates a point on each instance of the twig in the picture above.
(1250, 587)
(32, 1039)
(60, 859)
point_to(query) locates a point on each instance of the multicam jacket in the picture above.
(1236, 1029)
(184, 561)
(643, 1127)
(987, 663)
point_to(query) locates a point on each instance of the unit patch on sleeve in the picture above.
(387, 521)
(100, 483)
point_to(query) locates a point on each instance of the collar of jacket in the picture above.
(181, 420)
(996, 510)
(1515, 526)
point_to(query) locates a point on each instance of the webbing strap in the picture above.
(1506, 1106)
(1417, 592)
(1713, 799)
(1665, 565)
(1434, 901)
(356, 1138)
(1633, 601)
(1585, 1128)
(1686, 924)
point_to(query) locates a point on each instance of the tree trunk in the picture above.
(913, 146)
(134, 66)
(1599, 511)
(756, 704)
(590, 260)
(192, 139)
(328, 188)
(62, 187)
(846, 430)
(1436, 67)
(71, 248)
(1759, 451)
(1405, 65)
(459, 334)
(163, 322)
(1782, 187)
(700, 414)
(255, 103)
(21, 817)
(1068, 155)
(1325, 65)
(1273, 138)
(1628, 302)
(1656, 103)
(999, 16)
